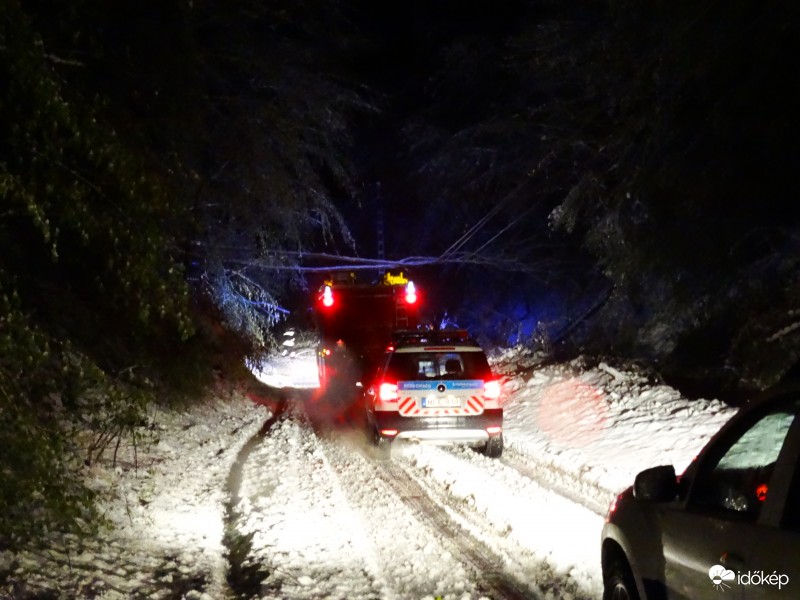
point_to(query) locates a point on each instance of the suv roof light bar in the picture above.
(432, 337)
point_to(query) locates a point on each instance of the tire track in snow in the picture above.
(243, 576)
(414, 561)
(295, 535)
(541, 534)
(549, 476)
(373, 568)
(497, 565)
(234, 483)
(487, 564)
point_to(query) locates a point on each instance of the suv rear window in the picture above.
(404, 366)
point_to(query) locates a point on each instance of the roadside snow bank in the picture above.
(602, 425)
(166, 508)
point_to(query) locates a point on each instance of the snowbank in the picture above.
(166, 507)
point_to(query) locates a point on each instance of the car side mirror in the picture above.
(659, 484)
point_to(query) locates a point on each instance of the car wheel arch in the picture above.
(618, 575)
(613, 553)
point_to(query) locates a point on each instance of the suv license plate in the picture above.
(443, 402)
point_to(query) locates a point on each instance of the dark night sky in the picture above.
(405, 42)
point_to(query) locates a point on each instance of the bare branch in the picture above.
(64, 61)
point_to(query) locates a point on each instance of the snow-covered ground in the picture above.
(167, 505)
(322, 517)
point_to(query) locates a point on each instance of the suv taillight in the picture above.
(388, 392)
(491, 389)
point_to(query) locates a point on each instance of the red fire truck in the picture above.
(356, 321)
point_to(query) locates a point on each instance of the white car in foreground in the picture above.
(730, 523)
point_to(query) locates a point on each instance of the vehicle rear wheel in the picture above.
(494, 447)
(372, 432)
(382, 446)
(618, 582)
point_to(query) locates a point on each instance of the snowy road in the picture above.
(235, 500)
(330, 519)
(327, 517)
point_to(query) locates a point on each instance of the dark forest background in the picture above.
(606, 178)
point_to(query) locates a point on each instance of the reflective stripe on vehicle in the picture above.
(408, 407)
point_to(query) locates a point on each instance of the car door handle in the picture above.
(731, 560)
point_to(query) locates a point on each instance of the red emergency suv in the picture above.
(436, 387)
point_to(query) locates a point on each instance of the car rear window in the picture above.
(438, 365)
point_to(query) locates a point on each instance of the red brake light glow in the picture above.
(761, 492)
(327, 296)
(491, 389)
(612, 508)
(411, 293)
(388, 392)
(493, 429)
